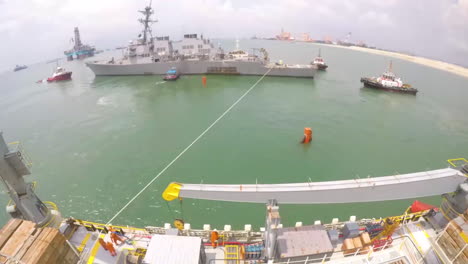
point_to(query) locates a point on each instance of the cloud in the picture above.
(33, 30)
(456, 20)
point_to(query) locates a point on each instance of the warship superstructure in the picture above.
(148, 55)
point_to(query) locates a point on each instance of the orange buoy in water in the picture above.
(203, 79)
(307, 135)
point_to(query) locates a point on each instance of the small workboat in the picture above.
(171, 75)
(20, 67)
(319, 62)
(60, 74)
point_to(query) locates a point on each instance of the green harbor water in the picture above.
(96, 141)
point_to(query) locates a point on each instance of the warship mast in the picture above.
(147, 21)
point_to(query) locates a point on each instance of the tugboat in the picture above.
(388, 82)
(60, 74)
(318, 61)
(171, 75)
(19, 67)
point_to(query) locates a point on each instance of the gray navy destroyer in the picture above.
(148, 55)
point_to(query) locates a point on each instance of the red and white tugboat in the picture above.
(388, 82)
(318, 61)
(60, 74)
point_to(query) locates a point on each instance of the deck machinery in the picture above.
(416, 236)
(24, 204)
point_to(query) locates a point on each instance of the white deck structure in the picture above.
(396, 187)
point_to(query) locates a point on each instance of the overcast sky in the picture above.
(36, 30)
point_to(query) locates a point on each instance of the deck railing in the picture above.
(403, 245)
(18, 147)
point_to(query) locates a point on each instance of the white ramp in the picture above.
(396, 187)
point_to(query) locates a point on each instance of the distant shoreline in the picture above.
(440, 65)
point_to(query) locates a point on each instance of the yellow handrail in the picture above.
(100, 226)
(451, 161)
(51, 205)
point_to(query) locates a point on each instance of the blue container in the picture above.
(350, 230)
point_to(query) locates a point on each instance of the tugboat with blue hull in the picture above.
(388, 82)
(171, 75)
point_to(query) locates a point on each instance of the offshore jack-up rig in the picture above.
(79, 50)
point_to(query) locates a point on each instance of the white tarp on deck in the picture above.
(173, 250)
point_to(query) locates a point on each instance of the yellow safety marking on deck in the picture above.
(414, 239)
(429, 238)
(401, 246)
(95, 250)
(83, 243)
(129, 249)
(423, 230)
(451, 161)
(368, 254)
(449, 208)
(445, 215)
(463, 235)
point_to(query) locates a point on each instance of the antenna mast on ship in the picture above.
(390, 68)
(147, 21)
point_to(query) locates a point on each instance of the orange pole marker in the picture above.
(307, 135)
(204, 80)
